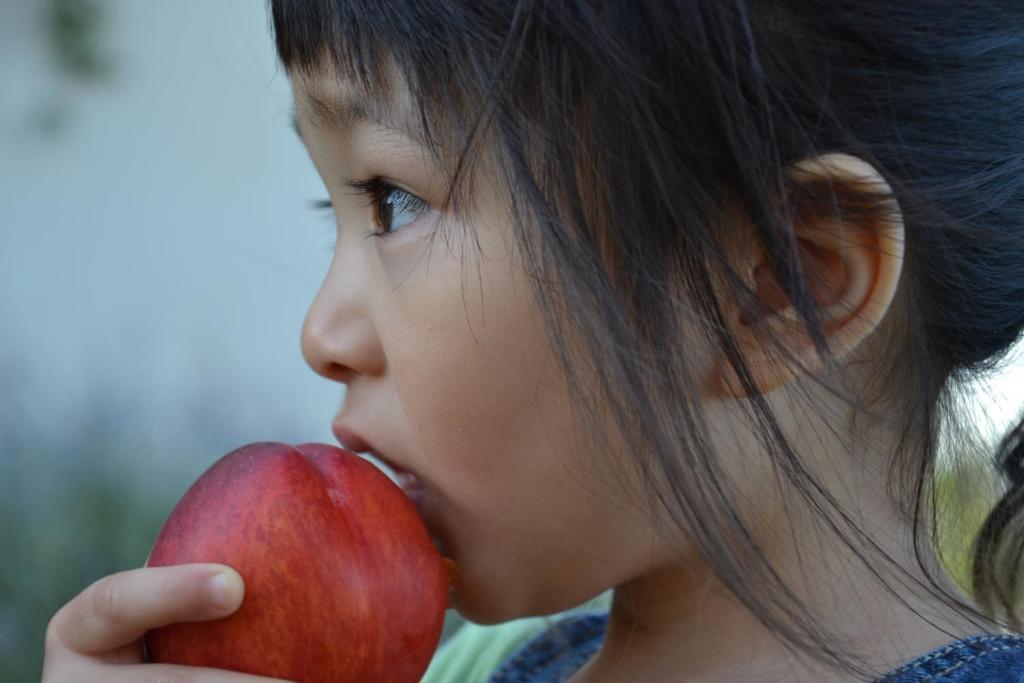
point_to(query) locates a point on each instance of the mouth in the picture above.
(351, 441)
(413, 487)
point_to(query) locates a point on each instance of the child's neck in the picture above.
(680, 623)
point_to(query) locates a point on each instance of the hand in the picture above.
(98, 635)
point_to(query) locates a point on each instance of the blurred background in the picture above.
(157, 255)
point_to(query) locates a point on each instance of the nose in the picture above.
(339, 339)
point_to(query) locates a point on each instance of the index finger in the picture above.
(118, 609)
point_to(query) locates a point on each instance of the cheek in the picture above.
(478, 388)
(491, 424)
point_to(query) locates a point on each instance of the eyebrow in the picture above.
(343, 114)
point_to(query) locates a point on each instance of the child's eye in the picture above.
(396, 208)
(393, 207)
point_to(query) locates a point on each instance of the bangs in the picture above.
(378, 47)
(351, 34)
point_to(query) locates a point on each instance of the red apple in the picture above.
(342, 582)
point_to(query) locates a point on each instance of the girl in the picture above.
(673, 297)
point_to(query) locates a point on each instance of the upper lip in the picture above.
(352, 441)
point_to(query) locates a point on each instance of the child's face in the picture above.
(449, 376)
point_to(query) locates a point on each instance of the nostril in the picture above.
(339, 339)
(339, 373)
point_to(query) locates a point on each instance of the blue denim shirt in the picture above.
(556, 654)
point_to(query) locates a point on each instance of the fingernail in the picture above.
(226, 590)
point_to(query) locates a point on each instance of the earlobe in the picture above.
(852, 272)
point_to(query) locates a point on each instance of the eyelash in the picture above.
(376, 189)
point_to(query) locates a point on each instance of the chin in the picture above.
(488, 604)
(484, 604)
(481, 610)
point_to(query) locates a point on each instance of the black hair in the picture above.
(631, 133)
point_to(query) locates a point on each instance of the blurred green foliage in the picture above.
(77, 53)
(965, 493)
(65, 520)
(74, 29)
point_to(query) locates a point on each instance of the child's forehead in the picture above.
(334, 100)
(331, 99)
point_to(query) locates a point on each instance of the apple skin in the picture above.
(342, 581)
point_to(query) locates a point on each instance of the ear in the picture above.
(851, 270)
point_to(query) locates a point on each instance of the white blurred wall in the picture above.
(160, 240)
